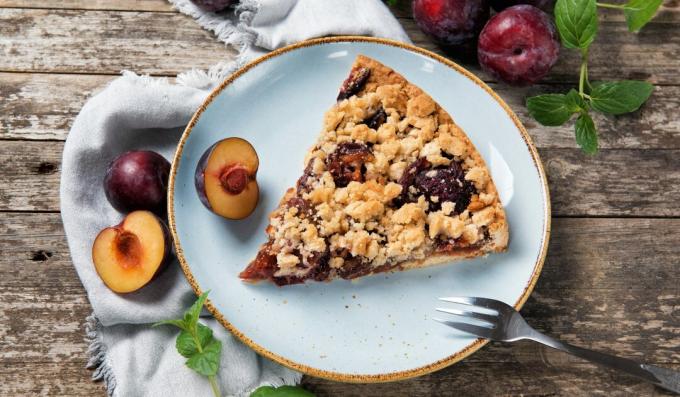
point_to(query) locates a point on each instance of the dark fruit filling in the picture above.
(262, 267)
(378, 119)
(346, 163)
(302, 183)
(354, 83)
(438, 184)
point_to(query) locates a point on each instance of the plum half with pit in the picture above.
(453, 23)
(519, 45)
(129, 255)
(225, 178)
(137, 180)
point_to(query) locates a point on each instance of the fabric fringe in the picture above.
(236, 33)
(97, 358)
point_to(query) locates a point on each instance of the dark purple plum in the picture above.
(138, 180)
(212, 5)
(225, 178)
(545, 5)
(519, 45)
(454, 23)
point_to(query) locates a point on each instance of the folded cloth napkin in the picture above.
(138, 112)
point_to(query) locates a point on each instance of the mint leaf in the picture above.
(207, 361)
(186, 344)
(619, 97)
(191, 316)
(586, 134)
(639, 12)
(555, 109)
(577, 22)
(177, 323)
(282, 391)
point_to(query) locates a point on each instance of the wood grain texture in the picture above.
(119, 5)
(100, 42)
(600, 295)
(613, 183)
(75, 41)
(43, 106)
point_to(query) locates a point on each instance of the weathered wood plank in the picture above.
(613, 183)
(104, 42)
(120, 5)
(29, 175)
(91, 42)
(493, 379)
(43, 106)
(589, 254)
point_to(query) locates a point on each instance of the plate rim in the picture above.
(333, 375)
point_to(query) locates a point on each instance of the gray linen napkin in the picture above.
(138, 112)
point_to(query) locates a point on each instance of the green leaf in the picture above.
(586, 134)
(191, 315)
(619, 97)
(577, 22)
(282, 391)
(207, 361)
(186, 344)
(639, 12)
(555, 109)
(177, 323)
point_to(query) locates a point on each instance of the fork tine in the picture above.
(489, 318)
(482, 332)
(476, 301)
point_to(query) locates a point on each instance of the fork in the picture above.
(507, 325)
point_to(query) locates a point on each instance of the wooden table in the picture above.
(611, 281)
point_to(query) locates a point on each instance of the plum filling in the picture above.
(378, 119)
(354, 83)
(346, 163)
(234, 179)
(128, 250)
(438, 184)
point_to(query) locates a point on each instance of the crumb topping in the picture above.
(390, 179)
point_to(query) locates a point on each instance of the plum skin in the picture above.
(519, 45)
(455, 23)
(138, 180)
(212, 5)
(545, 5)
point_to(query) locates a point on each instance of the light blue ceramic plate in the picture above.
(378, 328)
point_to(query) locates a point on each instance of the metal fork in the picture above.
(507, 325)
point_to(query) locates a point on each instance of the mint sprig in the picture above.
(197, 344)
(577, 24)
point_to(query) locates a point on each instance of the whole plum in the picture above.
(454, 23)
(545, 5)
(519, 45)
(137, 180)
(212, 5)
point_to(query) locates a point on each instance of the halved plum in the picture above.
(225, 178)
(129, 255)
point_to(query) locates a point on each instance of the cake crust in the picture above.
(391, 184)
